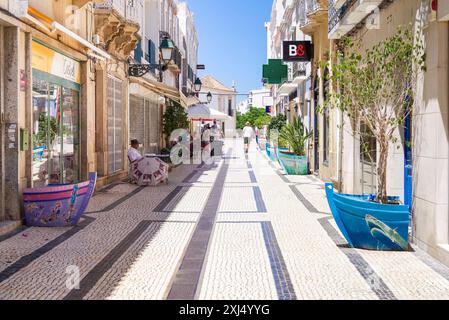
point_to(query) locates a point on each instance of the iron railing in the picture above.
(335, 16)
(299, 69)
(130, 10)
(303, 13)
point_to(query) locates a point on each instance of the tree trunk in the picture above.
(382, 172)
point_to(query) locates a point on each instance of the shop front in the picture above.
(145, 119)
(56, 117)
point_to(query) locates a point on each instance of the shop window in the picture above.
(368, 158)
(55, 136)
(144, 120)
(115, 125)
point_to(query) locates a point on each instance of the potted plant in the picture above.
(295, 161)
(375, 89)
(273, 140)
(175, 117)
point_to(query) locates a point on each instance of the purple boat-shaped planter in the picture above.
(58, 205)
(367, 224)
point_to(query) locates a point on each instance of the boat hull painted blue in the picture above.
(270, 152)
(369, 225)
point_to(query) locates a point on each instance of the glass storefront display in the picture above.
(55, 134)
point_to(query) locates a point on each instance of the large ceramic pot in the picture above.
(293, 164)
(58, 205)
(367, 224)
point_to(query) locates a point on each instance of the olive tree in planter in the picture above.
(375, 88)
(296, 137)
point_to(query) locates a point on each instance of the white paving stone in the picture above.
(237, 266)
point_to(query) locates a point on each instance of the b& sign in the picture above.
(301, 51)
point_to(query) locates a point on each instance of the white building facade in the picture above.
(256, 99)
(224, 99)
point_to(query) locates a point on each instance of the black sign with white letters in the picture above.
(301, 51)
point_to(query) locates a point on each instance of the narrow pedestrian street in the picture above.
(238, 229)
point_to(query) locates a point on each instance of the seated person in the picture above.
(133, 155)
(133, 151)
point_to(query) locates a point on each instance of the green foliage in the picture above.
(47, 125)
(256, 116)
(296, 136)
(376, 87)
(276, 123)
(175, 117)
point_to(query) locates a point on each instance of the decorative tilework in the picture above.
(259, 200)
(26, 260)
(282, 279)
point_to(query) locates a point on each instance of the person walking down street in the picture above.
(248, 133)
(257, 136)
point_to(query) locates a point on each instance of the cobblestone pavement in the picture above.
(235, 229)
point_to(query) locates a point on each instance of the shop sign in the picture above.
(52, 62)
(275, 72)
(297, 51)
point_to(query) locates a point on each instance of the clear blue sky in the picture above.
(232, 40)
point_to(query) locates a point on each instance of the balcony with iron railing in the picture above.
(129, 10)
(297, 73)
(346, 15)
(118, 23)
(312, 13)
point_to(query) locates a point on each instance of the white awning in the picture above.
(203, 112)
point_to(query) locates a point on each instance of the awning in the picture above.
(188, 101)
(203, 112)
(157, 87)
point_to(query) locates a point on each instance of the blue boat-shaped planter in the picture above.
(293, 164)
(58, 205)
(367, 224)
(271, 153)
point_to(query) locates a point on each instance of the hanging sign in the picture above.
(52, 62)
(275, 72)
(301, 51)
